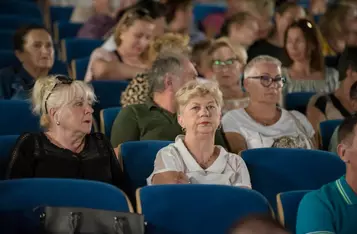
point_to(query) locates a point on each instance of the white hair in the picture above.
(258, 60)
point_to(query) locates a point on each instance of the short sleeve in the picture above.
(230, 123)
(305, 123)
(167, 159)
(242, 178)
(314, 216)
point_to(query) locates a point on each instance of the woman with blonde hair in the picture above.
(133, 35)
(66, 148)
(194, 158)
(137, 91)
(227, 64)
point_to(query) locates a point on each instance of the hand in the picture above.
(182, 178)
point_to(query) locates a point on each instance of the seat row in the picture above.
(179, 209)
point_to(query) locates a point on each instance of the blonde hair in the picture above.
(197, 88)
(173, 42)
(128, 20)
(238, 50)
(49, 92)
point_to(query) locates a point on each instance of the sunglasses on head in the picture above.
(60, 79)
(267, 80)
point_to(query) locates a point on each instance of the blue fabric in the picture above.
(275, 170)
(109, 116)
(108, 94)
(193, 209)
(327, 129)
(23, 194)
(13, 22)
(6, 37)
(67, 29)
(61, 13)
(138, 159)
(81, 66)
(290, 203)
(7, 142)
(16, 118)
(201, 11)
(298, 101)
(8, 58)
(80, 48)
(21, 8)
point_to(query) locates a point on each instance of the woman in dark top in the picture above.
(273, 46)
(66, 149)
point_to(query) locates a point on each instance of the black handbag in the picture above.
(72, 220)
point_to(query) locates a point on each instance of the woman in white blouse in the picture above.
(262, 123)
(194, 158)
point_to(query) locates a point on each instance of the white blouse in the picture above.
(291, 124)
(228, 169)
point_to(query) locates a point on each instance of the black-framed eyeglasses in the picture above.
(219, 63)
(267, 81)
(60, 79)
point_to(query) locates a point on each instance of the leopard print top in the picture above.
(136, 92)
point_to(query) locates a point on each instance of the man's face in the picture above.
(188, 73)
(347, 150)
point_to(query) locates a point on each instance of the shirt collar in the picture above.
(218, 166)
(26, 77)
(346, 191)
(152, 105)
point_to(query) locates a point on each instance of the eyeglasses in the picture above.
(219, 64)
(59, 80)
(267, 81)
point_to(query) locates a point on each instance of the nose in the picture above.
(204, 112)
(89, 109)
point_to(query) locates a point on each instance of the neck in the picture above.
(231, 92)
(126, 53)
(201, 147)
(36, 72)
(165, 101)
(266, 111)
(302, 67)
(67, 139)
(351, 178)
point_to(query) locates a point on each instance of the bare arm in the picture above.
(315, 116)
(170, 177)
(236, 142)
(114, 70)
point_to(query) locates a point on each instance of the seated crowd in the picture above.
(213, 92)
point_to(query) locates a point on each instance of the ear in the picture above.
(180, 120)
(168, 82)
(53, 113)
(348, 72)
(341, 151)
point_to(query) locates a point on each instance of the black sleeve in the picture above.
(22, 163)
(321, 103)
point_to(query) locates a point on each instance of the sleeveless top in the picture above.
(330, 106)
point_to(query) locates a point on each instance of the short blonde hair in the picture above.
(49, 92)
(238, 50)
(197, 88)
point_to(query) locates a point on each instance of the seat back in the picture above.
(79, 68)
(274, 170)
(60, 13)
(65, 29)
(16, 118)
(327, 128)
(6, 39)
(13, 22)
(21, 8)
(75, 48)
(288, 204)
(298, 101)
(138, 160)
(107, 117)
(7, 142)
(194, 208)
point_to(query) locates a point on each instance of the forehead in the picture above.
(295, 11)
(294, 32)
(38, 35)
(223, 52)
(201, 99)
(266, 68)
(139, 25)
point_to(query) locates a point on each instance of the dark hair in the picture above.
(348, 59)
(20, 34)
(258, 223)
(198, 49)
(240, 18)
(309, 30)
(353, 91)
(173, 6)
(156, 9)
(346, 128)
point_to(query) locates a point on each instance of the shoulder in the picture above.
(319, 199)
(27, 140)
(234, 114)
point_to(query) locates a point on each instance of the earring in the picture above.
(58, 123)
(219, 127)
(183, 130)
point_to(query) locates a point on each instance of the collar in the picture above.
(152, 105)
(28, 80)
(346, 191)
(217, 167)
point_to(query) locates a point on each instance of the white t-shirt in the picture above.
(259, 136)
(228, 169)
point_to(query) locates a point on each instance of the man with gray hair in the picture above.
(156, 119)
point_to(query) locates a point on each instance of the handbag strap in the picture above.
(302, 129)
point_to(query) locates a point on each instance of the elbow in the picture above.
(99, 70)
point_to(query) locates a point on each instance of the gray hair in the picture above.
(260, 59)
(165, 63)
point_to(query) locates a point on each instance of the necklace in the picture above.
(205, 165)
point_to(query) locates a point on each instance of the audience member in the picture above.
(133, 35)
(199, 57)
(304, 66)
(285, 15)
(336, 105)
(33, 47)
(262, 123)
(66, 149)
(227, 65)
(194, 158)
(332, 209)
(137, 92)
(318, 7)
(157, 119)
(254, 224)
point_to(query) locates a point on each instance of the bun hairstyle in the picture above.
(57, 91)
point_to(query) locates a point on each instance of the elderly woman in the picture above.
(66, 149)
(262, 123)
(34, 49)
(194, 158)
